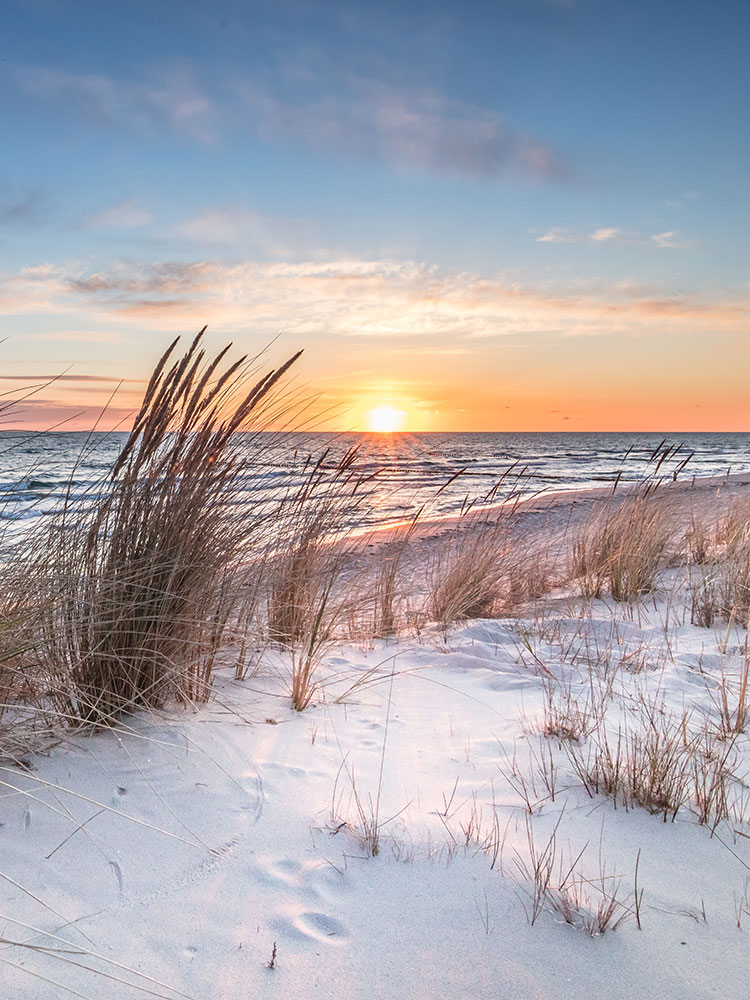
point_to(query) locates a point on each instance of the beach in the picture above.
(432, 824)
(374, 501)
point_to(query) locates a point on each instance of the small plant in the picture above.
(386, 588)
(647, 765)
(721, 591)
(623, 549)
(271, 963)
(731, 701)
(306, 594)
(565, 717)
(470, 573)
(368, 826)
(742, 903)
(569, 895)
(714, 770)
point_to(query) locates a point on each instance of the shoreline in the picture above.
(554, 503)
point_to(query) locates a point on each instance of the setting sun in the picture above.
(385, 419)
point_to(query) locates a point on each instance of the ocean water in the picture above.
(441, 470)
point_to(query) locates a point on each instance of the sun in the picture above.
(385, 419)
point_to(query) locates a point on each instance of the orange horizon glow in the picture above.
(579, 385)
(446, 351)
(471, 411)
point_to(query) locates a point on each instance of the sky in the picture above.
(506, 215)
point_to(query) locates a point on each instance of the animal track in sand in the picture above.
(304, 888)
(278, 871)
(312, 881)
(370, 724)
(292, 770)
(321, 926)
(206, 868)
(307, 926)
(304, 895)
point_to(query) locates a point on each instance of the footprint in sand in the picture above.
(321, 927)
(310, 926)
(278, 871)
(312, 881)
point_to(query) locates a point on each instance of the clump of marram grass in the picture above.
(623, 548)
(661, 762)
(732, 700)
(720, 589)
(133, 590)
(646, 763)
(307, 597)
(304, 563)
(567, 717)
(625, 544)
(547, 882)
(386, 592)
(470, 572)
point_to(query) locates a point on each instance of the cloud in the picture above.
(163, 278)
(23, 209)
(124, 215)
(337, 300)
(613, 234)
(36, 289)
(38, 414)
(337, 112)
(670, 240)
(235, 225)
(66, 378)
(168, 97)
(78, 336)
(559, 235)
(685, 198)
(418, 128)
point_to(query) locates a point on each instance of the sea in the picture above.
(439, 472)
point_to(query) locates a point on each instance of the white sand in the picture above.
(211, 835)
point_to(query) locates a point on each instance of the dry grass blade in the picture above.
(471, 573)
(306, 596)
(133, 590)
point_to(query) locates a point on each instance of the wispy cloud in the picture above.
(78, 336)
(419, 128)
(23, 209)
(128, 214)
(670, 240)
(351, 298)
(684, 199)
(99, 379)
(36, 413)
(163, 278)
(337, 112)
(36, 289)
(171, 96)
(237, 226)
(614, 234)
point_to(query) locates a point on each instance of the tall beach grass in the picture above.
(124, 598)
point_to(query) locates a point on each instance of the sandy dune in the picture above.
(185, 847)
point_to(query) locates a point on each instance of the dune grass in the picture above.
(720, 588)
(622, 548)
(128, 595)
(471, 571)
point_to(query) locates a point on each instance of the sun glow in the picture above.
(385, 419)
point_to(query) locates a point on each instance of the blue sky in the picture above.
(522, 214)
